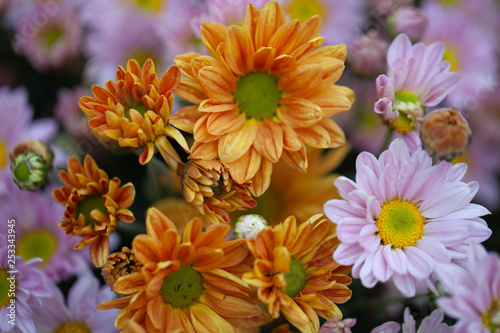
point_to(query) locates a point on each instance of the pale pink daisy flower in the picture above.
(69, 113)
(37, 234)
(79, 313)
(23, 286)
(396, 218)
(335, 325)
(417, 78)
(471, 50)
(431, 324)
(474, 291)
(52, 43)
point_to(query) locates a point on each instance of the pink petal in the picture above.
(420, 264)
(396, 259)
(405, 284)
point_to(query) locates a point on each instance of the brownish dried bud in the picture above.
(445, 134)
(120, 264)
(207, 185)
(35, 146)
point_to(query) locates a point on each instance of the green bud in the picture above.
(29, 164)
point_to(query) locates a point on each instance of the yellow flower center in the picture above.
(4, 151)
(52, 36)
(296, 279)
(305, 9)
(400, 224)
(87, 205)
(406, 103)
(257, 95)
(403, 124)
(73, 327)
(41, 244)
(451, 55)
(152, 4)
(4, 288)
(182, 288)
(491, 319)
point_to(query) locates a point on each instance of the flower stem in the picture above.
(387, 140)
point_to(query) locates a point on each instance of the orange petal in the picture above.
(271, 18)
(223, 122)
(191, 91)
(285, 37)
(183, 61)
(129, 284)
(238, 48)
(299, 112)
(234, 144)
(218, 83)
(309, 29)
(302, 82)
(332, 69)
(296, 160)
(210, 106)
(261, 60)
(157, 223)
(170, 80)
(185, 118)
(331, 102)
(246, 166)
(281, 259)
(316, 136)
(290, 139)
(262, 179)
(99, 251)
(337, 136)
(205, 319)
(146, 249)
(212, 34)
(269, 140)
(332, 51)
(205, 151)
(283, 64)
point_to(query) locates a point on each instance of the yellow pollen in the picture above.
(400, 224)
(451, 55)
(305, 9)
(3, 153)
(403, 124)
(491, 318)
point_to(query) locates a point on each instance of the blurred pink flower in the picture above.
(431, 324)
(30, 286)
(470, 49)
(80, 313)
(69, 114)
(474, 291)
(394, 222)
(52, 42)
(37, 233)
(335, 325)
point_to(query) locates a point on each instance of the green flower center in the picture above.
(87, 205)
(491, 319)
(408, 105)
(152, 4)
(40, 244)
(52, 36)
(406, 96)
(4, 288)
(73, 327)
(257, 95)
(296, 279)
(139, 108)
(305, 9)
(182, 288)
(400, 224)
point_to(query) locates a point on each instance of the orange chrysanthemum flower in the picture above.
(267, 89)
(295, 274)
(135, 111)
(208, 186)
(94, 204)
(187, 285)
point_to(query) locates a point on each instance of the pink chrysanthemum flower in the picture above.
(417, 78)
(17, 125)
(396, 218)
(80, 313)
(431, 324)
(74, 121)
(37, 233)
(50, 45)
(474, 291)
(30, 284)
(470, 48)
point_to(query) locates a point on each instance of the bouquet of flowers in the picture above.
(249, 166)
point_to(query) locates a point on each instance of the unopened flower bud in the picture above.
(248, 226)
(120, 264)
(367, 54)
(408, 20)
(445, 134)
(29, 164)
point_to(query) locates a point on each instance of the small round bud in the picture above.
(445, 134)
(407, 20)
(367, 54)
(120, 264)
(383, 8)
(248, 226)
(29, 164)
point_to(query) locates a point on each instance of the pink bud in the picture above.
(408, 20)
(367, 54)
